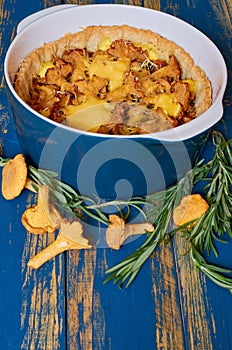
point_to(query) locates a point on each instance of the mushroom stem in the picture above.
(55, 248)
(62, 243)
(137, 229)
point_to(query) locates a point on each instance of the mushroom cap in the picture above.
(14, 175)
(115, 231)
(191, 207)
(43, 217)
(73, 233)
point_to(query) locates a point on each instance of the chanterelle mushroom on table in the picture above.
(117, 231)
(69, 237)
(14, 175)
(191, 207)
(43, 217)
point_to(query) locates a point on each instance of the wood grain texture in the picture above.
(82, 300)
(43, 296)
(222, 10)
(192, 289)
(169, 327)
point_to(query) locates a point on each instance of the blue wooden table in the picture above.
(64, 305)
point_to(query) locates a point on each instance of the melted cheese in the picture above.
(43, 69)
(113, 71)
(168, 105)
(105, 44)
(152, 54)
(193, 85)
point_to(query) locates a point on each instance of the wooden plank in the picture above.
(169, 323)
(43, 298)
(32, 303)
(204, 317)
(105, 316)
(201, 305)
(192, 290)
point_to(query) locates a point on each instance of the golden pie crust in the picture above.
(91, 38)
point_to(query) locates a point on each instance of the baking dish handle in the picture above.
(32, 18)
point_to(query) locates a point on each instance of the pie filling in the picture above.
(122, 88)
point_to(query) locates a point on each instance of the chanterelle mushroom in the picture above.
(117, 231)
(43, 217)
(14, 175)
(191, 207)
(69, 237)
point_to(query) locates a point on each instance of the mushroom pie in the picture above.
(116, 80)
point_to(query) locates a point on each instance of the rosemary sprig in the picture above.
(210, 227)
(65, 197)
(218, 174)
(161, 216)
(218, 275)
